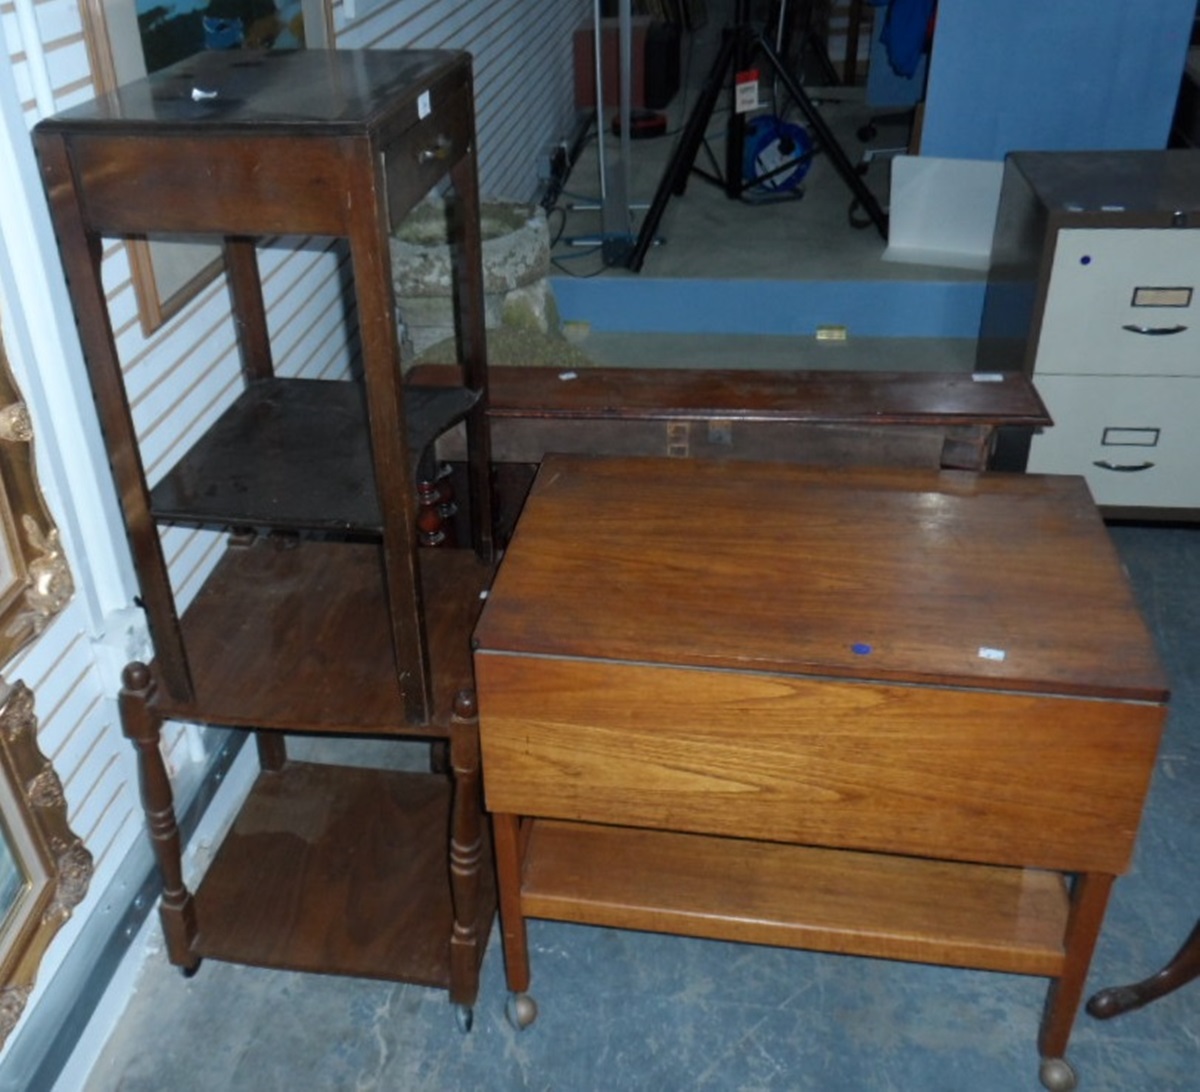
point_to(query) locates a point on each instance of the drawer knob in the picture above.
(1122, 468)
(1153, 331)
(439, 152)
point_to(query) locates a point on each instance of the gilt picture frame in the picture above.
(45, 870)
(35, 580)
(44, 867)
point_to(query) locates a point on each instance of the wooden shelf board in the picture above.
(294, 636)
(295, 454)
(1002, 919)
(338, 870)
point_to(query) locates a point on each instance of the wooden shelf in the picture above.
(315, 626)
(295, 454)
(1001, 919)
(332, 866)
(292, 634)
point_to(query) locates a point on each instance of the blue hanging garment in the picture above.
(905, 32)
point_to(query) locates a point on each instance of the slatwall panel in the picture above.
(524, 82)
(79, 734)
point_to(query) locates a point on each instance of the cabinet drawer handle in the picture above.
(440, 151)
(1122, 468)
(1153, 331)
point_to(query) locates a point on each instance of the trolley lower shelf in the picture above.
(338, 869)
(945, 912)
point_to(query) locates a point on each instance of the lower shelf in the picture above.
(338, 870)
(991, 918)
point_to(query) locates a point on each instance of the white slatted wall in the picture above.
(182, 376)
(78, 728)
(520, 107)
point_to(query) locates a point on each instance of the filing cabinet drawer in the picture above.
(1135, 440)
(1122, 302)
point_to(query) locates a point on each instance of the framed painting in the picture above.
(128, 39)
(35, 582)
(44, 868)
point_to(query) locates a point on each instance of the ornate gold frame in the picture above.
(44, 868)
(35, 582)
(52, 867)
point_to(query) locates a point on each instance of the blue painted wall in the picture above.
(793, 308)
(1039, 75)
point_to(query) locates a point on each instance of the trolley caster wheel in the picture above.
(1057, 1075)
(464, 1017)
(521, 1011)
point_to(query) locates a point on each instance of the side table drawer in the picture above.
(1134, 439)
(1122, 302)
(418, 159)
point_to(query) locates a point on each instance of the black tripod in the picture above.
(739, 47)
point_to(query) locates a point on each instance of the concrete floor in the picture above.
(623, 1010)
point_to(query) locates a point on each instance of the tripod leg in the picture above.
(674, 179)
(827, 141)
(816, 47)
(735, 136)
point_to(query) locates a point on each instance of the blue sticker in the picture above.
(861, 649)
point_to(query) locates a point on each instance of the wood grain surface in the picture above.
(937, 577)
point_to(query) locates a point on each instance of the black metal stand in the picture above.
(741, 45)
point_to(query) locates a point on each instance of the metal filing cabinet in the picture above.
(1092, 292)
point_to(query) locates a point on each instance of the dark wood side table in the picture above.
(825, 418)
(322, 615)
(910, 714)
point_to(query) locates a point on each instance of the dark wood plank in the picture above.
(914, 398)
(295, 635)
(331, 866)
(295, 454)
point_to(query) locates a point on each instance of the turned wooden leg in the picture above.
(430, 524)
(466, 850)
(1182, 969)
(1089, 899)
(143, 726)
(509, 838)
